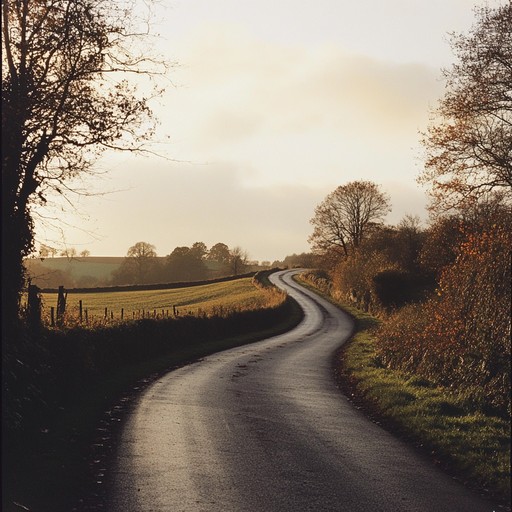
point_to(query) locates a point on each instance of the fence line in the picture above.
(62, 315)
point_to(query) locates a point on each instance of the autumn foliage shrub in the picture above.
(461, 336)
(354, 279)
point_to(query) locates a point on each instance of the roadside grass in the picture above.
(63, 464)
(470, 444)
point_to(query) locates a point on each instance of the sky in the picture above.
(270, 105)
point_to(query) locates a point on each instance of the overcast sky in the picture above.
(273, 104)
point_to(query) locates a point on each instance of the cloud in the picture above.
(176, 205)
(211, 204)
(229, 75)
(294, 113)
(270, 129)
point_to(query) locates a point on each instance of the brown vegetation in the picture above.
(443, 293)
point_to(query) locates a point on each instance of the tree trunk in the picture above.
(14, 247)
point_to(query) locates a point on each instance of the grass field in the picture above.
(214, 298)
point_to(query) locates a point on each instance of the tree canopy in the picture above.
(343, 218)
(469, 143)
(65, 99)
(140, 265)
(186, 263)
(219, 252)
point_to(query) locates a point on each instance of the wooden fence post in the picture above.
(80, 305)
(61, 305)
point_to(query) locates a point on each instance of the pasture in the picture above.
(208, 299)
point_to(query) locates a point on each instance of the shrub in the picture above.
(392, 288)
(353, 279)
(319, 279)
(461, 337)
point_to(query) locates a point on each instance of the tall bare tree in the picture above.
(343, 218)
(469, 143)
(66, 97)
(238, 260)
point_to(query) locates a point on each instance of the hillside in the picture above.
(90, 271)
(93, 271)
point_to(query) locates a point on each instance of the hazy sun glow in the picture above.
(275, 104)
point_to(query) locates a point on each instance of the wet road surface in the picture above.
(264, 428)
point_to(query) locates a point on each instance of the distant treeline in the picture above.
(142, 266)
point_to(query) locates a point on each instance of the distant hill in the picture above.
(93, 271)
(88, 271)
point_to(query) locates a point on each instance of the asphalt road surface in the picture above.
(264, 428)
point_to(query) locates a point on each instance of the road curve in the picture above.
(264, 428)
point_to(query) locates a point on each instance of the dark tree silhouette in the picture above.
(142, 257)
(140, 265)
(65, 98)
(185, 264)
(199, 250)
(219, 252)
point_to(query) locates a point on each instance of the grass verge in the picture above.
(469, 444)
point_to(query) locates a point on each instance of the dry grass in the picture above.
(215, 299)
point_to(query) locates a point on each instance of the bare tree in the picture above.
(469, 144)
(238, 260)
(342, 220)
(65, 99)
(44, 251)
(69, 252)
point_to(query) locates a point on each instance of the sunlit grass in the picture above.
(215, 298)
(471, 443)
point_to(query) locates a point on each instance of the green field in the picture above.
(214, 298)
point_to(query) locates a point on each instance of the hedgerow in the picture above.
(460, 337)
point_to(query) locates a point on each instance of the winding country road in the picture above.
(264, 428)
